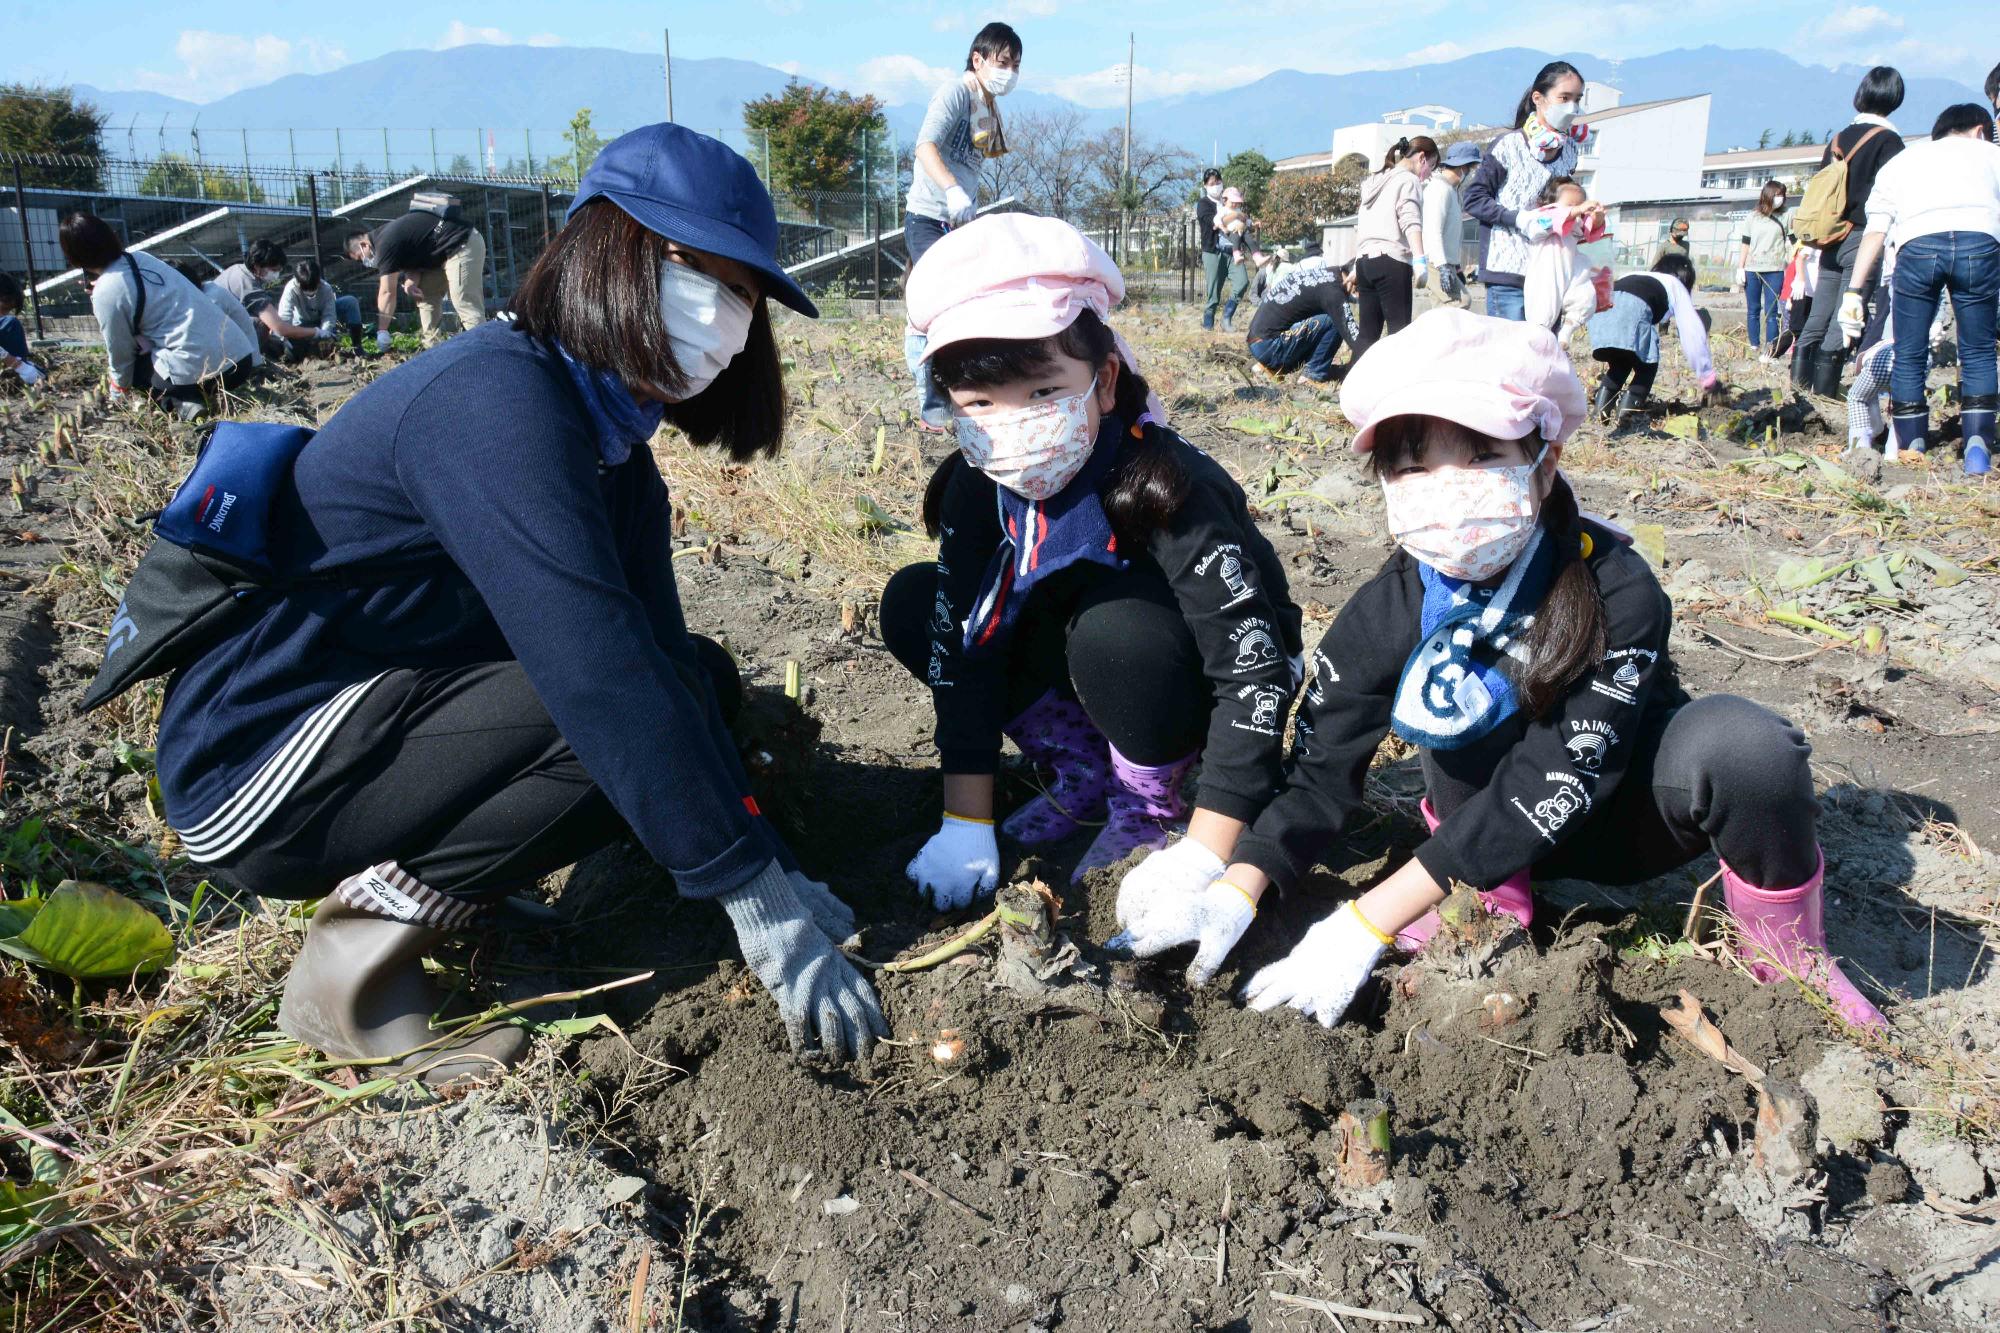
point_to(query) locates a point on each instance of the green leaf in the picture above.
(1651, 541)
(1254, 426)
(86, 930)
(1686, 426)
(874, 518)
(24, 1210)
(1833, 472)
(17, 913)
(1949, 574)
(1876, 570)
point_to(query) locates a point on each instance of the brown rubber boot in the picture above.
(358, 989)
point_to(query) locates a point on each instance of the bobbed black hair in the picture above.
(1962, 117)
(307, 272)
(596, 290)
(1880, 91)
(88, 242)
(264, 253)
(1677, 266)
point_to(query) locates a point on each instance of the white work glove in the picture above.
(1736, 281)
(1853, 317)
(27, 372)
(1320, 976)
(957, 206)
(382, 340)
(1423, 267)
(1177, 896)
(322, 335)
(829, 913)
(820, 995)
(959, 863)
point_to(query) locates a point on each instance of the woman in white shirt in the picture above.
(161, 334)
(1767, 244)
(1938, 203)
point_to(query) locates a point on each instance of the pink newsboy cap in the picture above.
(1009, 275)
(1499, 377)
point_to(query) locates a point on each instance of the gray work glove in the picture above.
(820, 995)
(829, 913)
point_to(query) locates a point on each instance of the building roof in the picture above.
(1304, 162)
(1613, 113)
(1764, 157)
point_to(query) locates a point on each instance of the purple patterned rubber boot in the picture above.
(1143, 807)
(1058, 737)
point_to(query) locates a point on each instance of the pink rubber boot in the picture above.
(1058, 736)
(1143, 806)
(1511, 896)
(1784, 929)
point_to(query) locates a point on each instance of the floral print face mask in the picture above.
(1034, 451)
(1465, 522)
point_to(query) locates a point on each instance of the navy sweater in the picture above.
(481, 453)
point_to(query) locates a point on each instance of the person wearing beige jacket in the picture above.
(1390, 260)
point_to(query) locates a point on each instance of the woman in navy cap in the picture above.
(497, 679)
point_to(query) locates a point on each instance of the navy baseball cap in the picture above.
(697, 191)
(1461, 154)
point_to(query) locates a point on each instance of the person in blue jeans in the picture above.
(1544, 143)
(1938, 203)
(1303, 320)
(1767, 244)
(960, 132)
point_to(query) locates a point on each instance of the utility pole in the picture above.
(667, 46)
(1125, 187)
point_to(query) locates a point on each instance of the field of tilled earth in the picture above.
(1507, 1134)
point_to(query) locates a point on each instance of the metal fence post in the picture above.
(434, 150)
(27, 246)
(548, 218)
(388, 168)
(339, 167)
(875, 231)
(312, 197)
(292, 147)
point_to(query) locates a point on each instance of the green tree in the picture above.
(1764, 139)
(584, 143)
(1299, 203)
(48, 119)
(810, 138)
(178, 177)
(1249, 171)
(460, 165)
(1790, 140)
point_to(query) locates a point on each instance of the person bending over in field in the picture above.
(1522, 648)
(1626, 338)
(475, 668)
(1101, 595)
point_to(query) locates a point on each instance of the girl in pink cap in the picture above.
(1101, 595)
(1522, 648)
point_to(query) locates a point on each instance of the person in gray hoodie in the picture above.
(1389, 257)
(161, 334)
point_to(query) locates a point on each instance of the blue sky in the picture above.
(899, 49)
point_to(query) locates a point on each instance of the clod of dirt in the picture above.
(1845, 1085)
(1947, 1166)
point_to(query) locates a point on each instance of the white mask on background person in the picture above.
(1558, 115)
(1465, 522)
(1033, 451)
(1213, 191)
(999, 81)
(707, 324)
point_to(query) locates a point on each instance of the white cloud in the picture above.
(1857, 22)
(1436, 53)
(1106, 87)
(215, 64)
(461, 33)
(901, 78)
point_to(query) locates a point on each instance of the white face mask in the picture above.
(1465, 522)
(1558, 115)
(1213, 191)
(707, 324)
(999, 81)
(1034, 451)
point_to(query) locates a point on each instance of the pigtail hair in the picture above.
(1568, 638)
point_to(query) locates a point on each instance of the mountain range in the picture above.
(1284, 113)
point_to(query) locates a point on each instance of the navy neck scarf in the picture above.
(618, 419)
(1040, 538)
